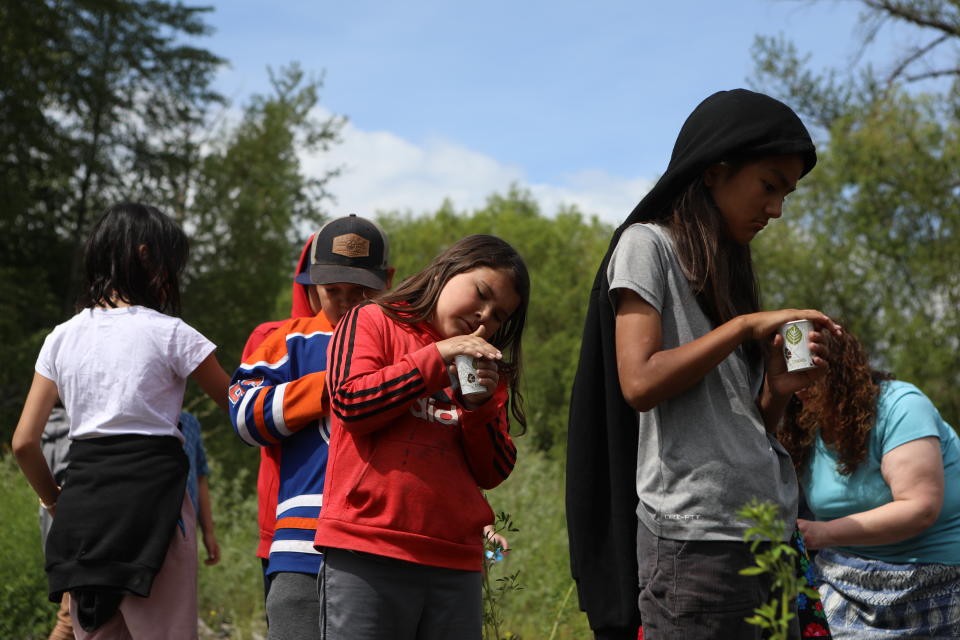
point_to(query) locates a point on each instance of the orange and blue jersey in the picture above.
(278, 398)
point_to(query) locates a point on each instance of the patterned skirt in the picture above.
(866, 599)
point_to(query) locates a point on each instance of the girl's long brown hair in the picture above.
(843, 403)
(415, 299)
(720, 271)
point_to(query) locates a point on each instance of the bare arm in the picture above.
(40, 400)
(914, 473)
(213, 380)
(206, 522)
(649, 375)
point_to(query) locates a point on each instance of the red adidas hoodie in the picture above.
(268, 476)
(407, 459)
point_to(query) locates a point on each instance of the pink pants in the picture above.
(170, 613)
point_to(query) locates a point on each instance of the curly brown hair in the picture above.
(842, 404)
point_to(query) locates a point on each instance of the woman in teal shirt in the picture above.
(881, 472)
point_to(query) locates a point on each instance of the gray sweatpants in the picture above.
(293, 607)
(369, 597)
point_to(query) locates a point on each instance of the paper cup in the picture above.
(796, 346)
(467, 372)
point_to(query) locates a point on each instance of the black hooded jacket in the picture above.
(601, 496)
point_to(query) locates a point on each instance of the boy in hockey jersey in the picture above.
(278, 400)
(304, 303)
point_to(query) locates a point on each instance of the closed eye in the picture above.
(783, 180)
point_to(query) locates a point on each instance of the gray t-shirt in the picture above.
(704, 453)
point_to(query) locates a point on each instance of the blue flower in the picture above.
(495, 556)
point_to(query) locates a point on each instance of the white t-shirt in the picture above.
(122, 371)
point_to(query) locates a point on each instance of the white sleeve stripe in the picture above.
(305, 500)
(247, 366)
(277, 409)
(296, 546)
(250, 366)
(242, 429)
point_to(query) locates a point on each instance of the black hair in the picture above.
(135, 254)
(415, 299)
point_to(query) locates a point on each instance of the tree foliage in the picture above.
(107, 100)
(99, 101)
(102, 102)
(251, 199)
(873, 235)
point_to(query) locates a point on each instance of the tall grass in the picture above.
(546, 607)
(25, 612)
(231, 592)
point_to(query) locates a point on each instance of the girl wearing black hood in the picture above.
(685, 376)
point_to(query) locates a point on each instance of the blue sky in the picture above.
(579, 102)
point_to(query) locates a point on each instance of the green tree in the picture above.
(245, 222)
(873, 235)
(100, 100)
(874, 238)
(103, 102)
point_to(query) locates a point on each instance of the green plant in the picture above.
(230, 598)
(778, 559)
(534, 494)
(494, 591)
(563, 604)
(25, 611)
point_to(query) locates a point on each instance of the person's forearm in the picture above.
(27, 437)
(668, 373)
(35, 468)
(892, 522)
(213, 380)
(205, 510)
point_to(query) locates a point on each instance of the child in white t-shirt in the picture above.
(123, 541)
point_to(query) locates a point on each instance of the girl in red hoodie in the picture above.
(409, 454)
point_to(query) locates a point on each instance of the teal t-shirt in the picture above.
(904, 414)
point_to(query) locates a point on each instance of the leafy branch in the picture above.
(494, 591)
(777, 558)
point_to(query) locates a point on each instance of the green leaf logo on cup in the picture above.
(794, 335)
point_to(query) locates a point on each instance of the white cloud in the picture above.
(382, 171)
(612, 198)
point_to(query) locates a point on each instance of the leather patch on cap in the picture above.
(351, 245)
